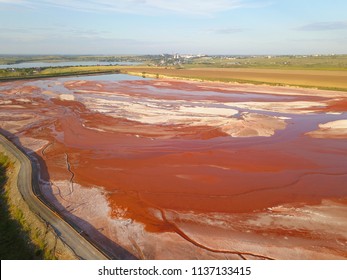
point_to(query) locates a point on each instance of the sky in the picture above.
(126, 27)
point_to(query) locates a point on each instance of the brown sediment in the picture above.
(20, 90)
(187, 163)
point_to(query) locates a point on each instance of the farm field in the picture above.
(324, 79)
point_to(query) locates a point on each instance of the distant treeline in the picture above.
(313, 62)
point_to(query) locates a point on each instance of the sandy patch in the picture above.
(252, 124)
(15, 122)
(32, 144)
(171, 113)
(5, 102)
(208, 111)
(68, 97)
(294, 107)
(4, 107)
(48, 92)
(23, 100)
(335, 129)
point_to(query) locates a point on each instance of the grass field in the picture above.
(29, 73)
(292, 62)
(324, 72)
(78, 69)
(14, 242)
(333, 80)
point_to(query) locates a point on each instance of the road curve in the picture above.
(29, 188)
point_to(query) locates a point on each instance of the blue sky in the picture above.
(173, 26)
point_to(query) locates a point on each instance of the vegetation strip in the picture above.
(15, 241)
(29, 73)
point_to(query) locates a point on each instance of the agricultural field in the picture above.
(293, 62)
(323, 79)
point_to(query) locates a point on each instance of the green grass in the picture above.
(78, 69)
(32, 73)
(292, 62)
(327, 80)
(15, 243)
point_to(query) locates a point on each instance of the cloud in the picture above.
(147, 7)
(324, 26)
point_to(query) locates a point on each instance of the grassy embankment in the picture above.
(32, 73)
(15, 243)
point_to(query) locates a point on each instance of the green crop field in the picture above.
(323, 79)
(326, 62)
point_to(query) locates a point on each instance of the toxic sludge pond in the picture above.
(189, 170)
